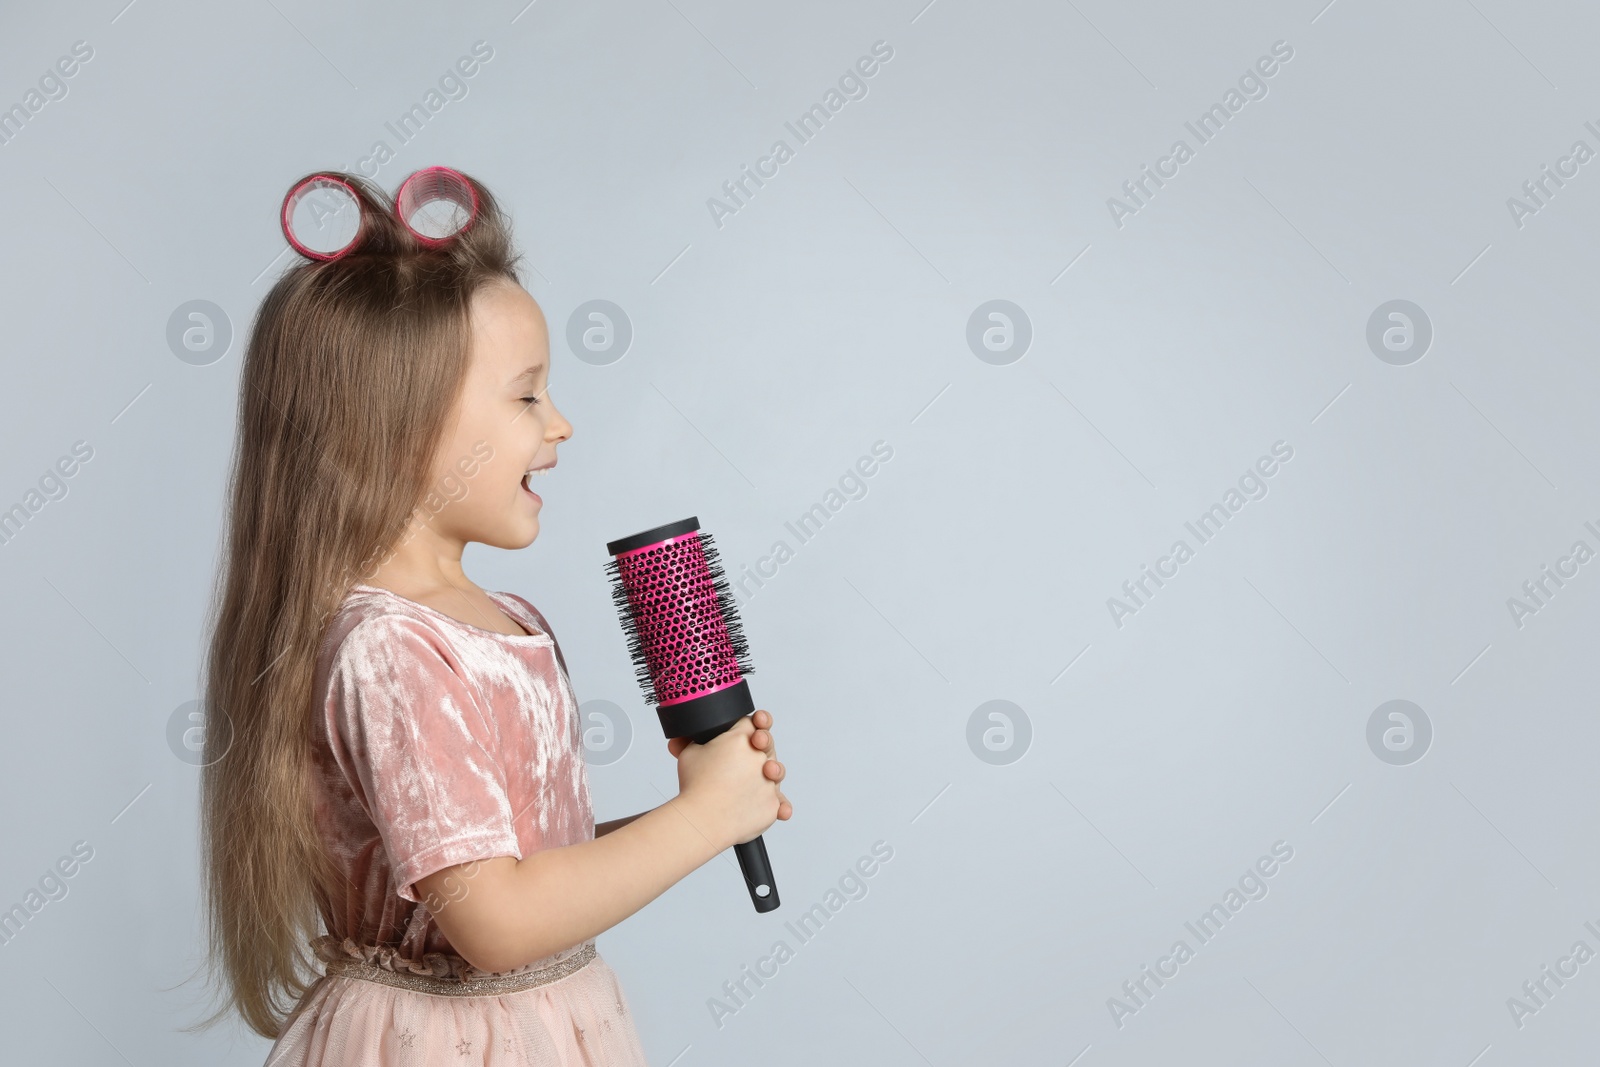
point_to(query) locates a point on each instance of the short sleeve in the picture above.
(424, 754)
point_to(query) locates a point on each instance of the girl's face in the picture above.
(505, 426)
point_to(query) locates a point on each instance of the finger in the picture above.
(761, 739)
(763, 718)
(676, 745)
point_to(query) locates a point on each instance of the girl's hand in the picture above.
(762, 739)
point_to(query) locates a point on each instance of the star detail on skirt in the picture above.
(406, 1038)
(464, 1046)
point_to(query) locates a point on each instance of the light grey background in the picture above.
(830, 312)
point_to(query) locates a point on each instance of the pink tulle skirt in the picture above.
(581, 1020)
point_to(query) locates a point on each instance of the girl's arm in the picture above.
(601, 829)
(502, 913)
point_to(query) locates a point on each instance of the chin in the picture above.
(528, 535)
(512, 537)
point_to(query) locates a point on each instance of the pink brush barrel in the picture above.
(688, 649)
(684, 632)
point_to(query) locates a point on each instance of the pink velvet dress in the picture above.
(440, 743)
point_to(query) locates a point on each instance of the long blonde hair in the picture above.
(352, 370)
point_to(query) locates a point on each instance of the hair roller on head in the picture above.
(322, 217)
(436, 204)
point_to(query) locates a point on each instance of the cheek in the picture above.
(473, 480)
(498, 474)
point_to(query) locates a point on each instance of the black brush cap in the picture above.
(650, 537)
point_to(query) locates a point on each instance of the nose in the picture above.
(559, 429)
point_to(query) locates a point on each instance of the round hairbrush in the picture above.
(688, 649)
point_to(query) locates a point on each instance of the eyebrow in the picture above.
(531, 372)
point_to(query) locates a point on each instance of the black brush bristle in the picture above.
(725, 605)
(630, 628)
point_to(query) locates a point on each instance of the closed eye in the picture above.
(531, 400)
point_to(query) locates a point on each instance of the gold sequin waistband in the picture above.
(489, 985)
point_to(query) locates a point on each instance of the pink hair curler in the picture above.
(424, 193)
(310, 207)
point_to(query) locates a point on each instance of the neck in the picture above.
(428, 562)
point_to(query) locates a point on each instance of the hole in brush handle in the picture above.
(757, 871)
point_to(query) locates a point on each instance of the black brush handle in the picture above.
(753, 862)
(757, 873)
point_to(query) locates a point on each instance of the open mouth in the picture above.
(530, 475)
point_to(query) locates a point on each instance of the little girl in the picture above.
(395, 792)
